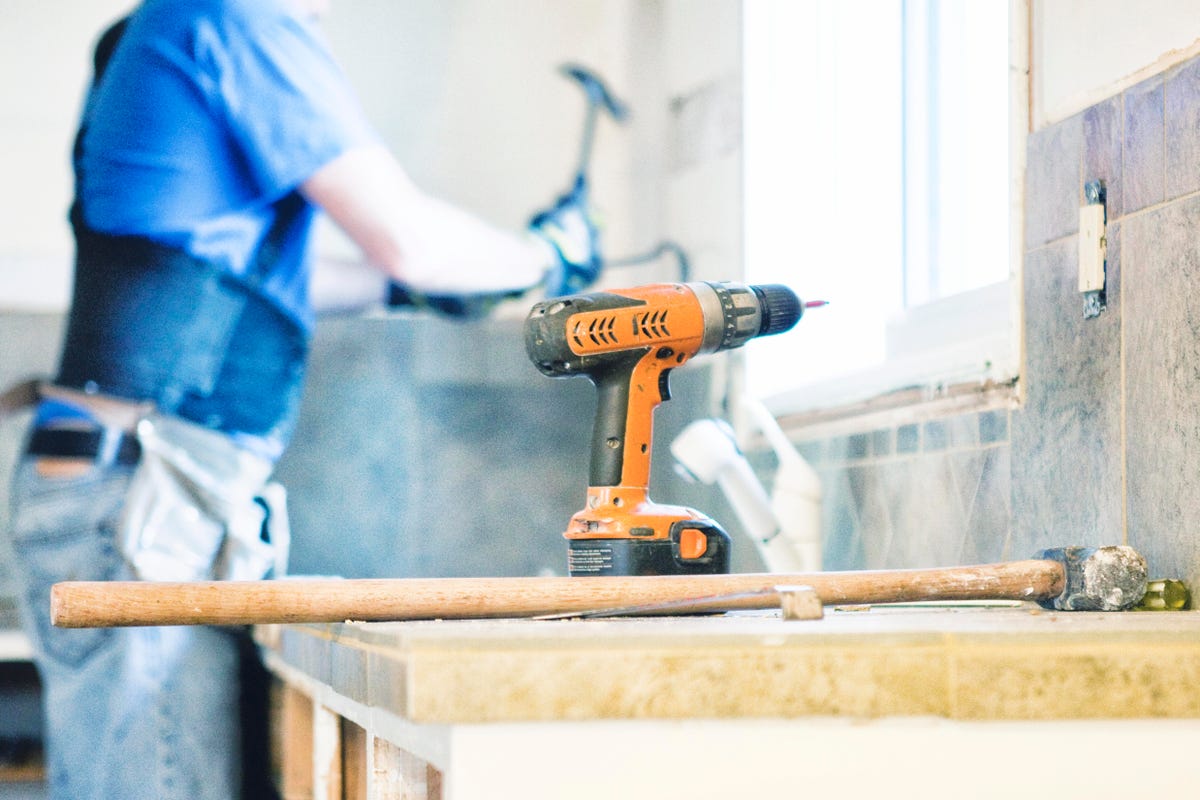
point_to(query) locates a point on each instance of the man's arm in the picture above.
(417, 240)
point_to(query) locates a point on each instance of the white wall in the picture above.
(1086, 50)
(702, 68)
(469, 96)
(45, 61)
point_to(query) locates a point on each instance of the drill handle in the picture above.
(627, 394)
(608, 432)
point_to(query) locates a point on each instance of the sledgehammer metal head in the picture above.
(1097, 578)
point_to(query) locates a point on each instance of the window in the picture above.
(878, 176)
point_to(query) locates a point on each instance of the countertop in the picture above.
(961, 662)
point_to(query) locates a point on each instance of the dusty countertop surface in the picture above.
(967, 662)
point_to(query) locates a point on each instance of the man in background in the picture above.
(213, 133)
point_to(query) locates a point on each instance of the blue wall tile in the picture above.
(1102, 129)
(882, 442)
(1066, 440)
(908, 438)
(1162, 333)
(398, 470)
(936, 435)
(1142, 172)
(1052, 182)
(842, 546)
(1181, 101)
(993, 427)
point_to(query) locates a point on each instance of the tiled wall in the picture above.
(1106, 448)
(425, 447)
(433, 448)
(916, 495)
(1114, 422)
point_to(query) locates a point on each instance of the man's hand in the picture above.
(463, 306)
(569, 228)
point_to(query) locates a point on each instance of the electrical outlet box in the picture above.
(1093, 247)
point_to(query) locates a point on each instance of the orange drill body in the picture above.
(627, 342)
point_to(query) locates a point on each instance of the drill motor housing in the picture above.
(626, 342)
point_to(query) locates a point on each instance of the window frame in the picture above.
(941, 379)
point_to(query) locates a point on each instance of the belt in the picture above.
(102, 445)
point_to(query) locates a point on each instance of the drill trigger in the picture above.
(664, 384)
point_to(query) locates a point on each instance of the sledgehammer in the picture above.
(1070, 579)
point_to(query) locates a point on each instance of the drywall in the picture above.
(1087, 50)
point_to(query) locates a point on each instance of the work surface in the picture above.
(958, 662)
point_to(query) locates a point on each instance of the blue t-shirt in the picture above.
(207, 118)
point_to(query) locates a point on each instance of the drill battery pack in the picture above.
(693, 548)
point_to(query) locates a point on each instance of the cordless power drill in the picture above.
(626, 341)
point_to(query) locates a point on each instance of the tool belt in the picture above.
(102, 445)
(94, 441)
(19, 396)
(151, 322)
(199, 507)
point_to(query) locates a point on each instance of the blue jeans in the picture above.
(131, 713)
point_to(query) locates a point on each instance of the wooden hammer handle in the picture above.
(113, 604)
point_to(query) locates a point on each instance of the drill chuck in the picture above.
(735, 313)
(781, 308)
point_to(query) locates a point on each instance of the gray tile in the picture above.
(1066, 441)
(348, 673)
(1102, 128)
(928, 519)
(1162, 333)
(963, 430)
(875, 515)
(858, 446)
(842, 449)
(840, 522)
(894, 490)
(987, 504)
(936, 436)
(908, 438)
(993, 426)
(443, 477)
(882, 442)
(1181, 120)
(1053, 187)
(812, 451)
(1142, 171)
(965, 470)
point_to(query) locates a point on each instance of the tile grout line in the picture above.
(1126, 215)
(1123, 405)
(1121, 326)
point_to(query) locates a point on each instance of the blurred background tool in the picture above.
(601, 100)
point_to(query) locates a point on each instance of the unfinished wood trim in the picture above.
(354, 761)
(291, 733)
(326, 754)
(397, 774)
(901, 407)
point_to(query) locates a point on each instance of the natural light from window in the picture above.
(876, 177)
